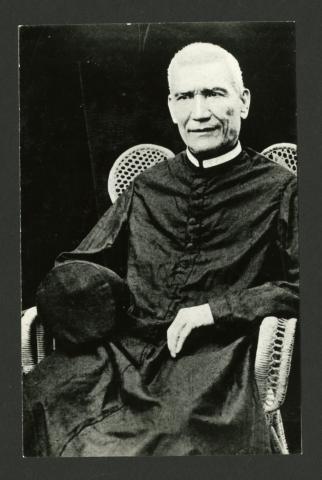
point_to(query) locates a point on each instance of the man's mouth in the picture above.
(202, 130)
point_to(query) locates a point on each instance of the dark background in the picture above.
(89, 92)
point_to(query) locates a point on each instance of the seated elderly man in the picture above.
(156, 345)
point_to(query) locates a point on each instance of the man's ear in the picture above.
(171, 109)
(245, 98)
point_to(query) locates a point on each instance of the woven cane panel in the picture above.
(284, 154)
(134, 162)
(273, 360)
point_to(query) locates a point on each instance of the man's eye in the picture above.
(214, 94)
(183, 97)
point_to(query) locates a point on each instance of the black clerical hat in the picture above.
(79, 301)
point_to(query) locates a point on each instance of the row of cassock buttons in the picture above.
(192, 233)
(193, 226)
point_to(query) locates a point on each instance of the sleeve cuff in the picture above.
(220, 309)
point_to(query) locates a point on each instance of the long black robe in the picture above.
(226, 236)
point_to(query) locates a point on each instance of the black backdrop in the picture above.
(89, 92)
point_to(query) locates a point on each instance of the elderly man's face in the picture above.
(207, 107)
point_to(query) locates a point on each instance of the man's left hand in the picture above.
(186, 320)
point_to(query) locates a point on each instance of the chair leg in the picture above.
(277, 433)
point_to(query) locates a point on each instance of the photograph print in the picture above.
(159, 239)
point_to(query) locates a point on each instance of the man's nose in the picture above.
(200, 108)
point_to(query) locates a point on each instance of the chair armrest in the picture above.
(28, 322)
(33, 340)
(273, 360)
(36, 342)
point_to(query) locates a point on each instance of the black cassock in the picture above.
(227, 236)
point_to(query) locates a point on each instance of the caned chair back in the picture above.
(284, 154)
(132, 162)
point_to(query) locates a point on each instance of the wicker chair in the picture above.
(276, 336)
(283, 153)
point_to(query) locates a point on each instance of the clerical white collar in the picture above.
(211, 162)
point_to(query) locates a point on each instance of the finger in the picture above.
(173, 333)
(172, 341)
(184, 333)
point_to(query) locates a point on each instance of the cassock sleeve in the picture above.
(275, 298)
(106, 243)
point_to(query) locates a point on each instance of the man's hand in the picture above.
(186, 320)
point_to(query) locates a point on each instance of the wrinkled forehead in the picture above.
(198, 76)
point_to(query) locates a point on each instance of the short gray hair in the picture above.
(201, 52)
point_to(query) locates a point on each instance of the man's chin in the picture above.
(208, 151)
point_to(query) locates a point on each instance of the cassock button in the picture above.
(192, 222)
